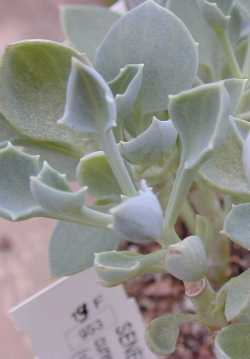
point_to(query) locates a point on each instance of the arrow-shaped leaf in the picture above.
(95, 172)
(16, 201)
(152, 145)
(163, 44)
(115, 267)
(52, 192)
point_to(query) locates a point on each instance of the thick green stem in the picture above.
(187, 214)
(100, 218)
(182, 184)
(229, 54)
(204, 300)
(154, 262)
(117, 164)
(208, 205)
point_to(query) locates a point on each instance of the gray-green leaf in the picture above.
(115, 267)
(90, 105)
(126, 88)
(85, 26)
(16, 201)
(33, 79)
(52, 192)
(152, 145)
(213, 15)
(237, 300)
(187, 260)
(237, 225)
(139, 218)
(233, 342)
(200, 116)
(162, 333)
(163, 44)
(94, 171)
(72, 247)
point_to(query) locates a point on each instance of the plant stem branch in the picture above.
(182, 184)
(117, 164)
(229, 54)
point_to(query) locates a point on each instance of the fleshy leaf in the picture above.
(115, 267)
(224, 5)
(213, 15)
(163, 44)
(7, 132)
(134, 3)
(91, 109)
(16, 201)
(95, 172)
(162, 333)
(245, 5)
(200, 116)
(126, 88)
(85, 26)
(187, 260)
(210, 52)
(72, 247)
(233, 342)
(237, 303)
(237, 225)
(224, 170)
(139, 218)
(63, 158)
(32, 95)
(53, 193)
(90, 105)
(152, 145)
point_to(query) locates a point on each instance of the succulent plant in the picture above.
(149, 112)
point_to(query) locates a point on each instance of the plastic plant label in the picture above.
(77, 318)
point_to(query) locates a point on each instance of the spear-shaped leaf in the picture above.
(152, 145)
(16, 201)
(200, 116)
(95, 172)
(91, 109)
(72, 247)
(163, 44)
(213, 15)
(90, 106)
(115, 267)
(126, 87)
(85, 26)
(53, 193)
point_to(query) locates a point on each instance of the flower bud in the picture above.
(187, 260)
(139, 218)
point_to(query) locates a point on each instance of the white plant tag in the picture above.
(77, 318)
